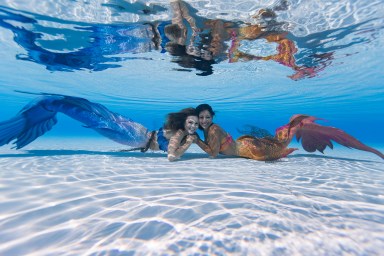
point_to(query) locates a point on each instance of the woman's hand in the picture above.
(191, 138)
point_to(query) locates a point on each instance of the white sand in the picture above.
(85, 198)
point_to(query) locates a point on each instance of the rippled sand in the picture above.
(90, 199)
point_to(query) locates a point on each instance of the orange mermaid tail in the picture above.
(318, 137)
(262, 149)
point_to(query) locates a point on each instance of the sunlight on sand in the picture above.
(91, 199)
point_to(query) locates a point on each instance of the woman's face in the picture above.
(205, 119)
(191, 124)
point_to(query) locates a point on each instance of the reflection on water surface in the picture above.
(194, 42)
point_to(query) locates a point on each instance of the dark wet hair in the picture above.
(203, 107)
(175, 49)
(173, 32)
(176, 120)
(183, 59)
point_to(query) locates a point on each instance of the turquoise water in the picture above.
(73, 192)
(73, 48)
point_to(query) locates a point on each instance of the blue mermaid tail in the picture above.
(39, 116)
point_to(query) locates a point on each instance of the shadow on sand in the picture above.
(64, 152)
(187, 156)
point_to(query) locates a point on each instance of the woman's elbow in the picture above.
(172, 157)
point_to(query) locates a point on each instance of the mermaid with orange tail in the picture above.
(313, 137)
(269, 148)
(317, 137)
(218, 141)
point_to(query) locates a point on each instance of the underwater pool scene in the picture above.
(77, 188)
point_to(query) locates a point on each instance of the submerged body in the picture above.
(218, 141)
(313, 137)
(39, 116)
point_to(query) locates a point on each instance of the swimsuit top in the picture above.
(226, 142)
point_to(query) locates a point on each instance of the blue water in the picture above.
(104, 51)
(99, 51)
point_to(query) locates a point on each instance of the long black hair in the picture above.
(203, 107)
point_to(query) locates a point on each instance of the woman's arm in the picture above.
(180, 11)
(187, 16)
(212, 147)
(175, 149)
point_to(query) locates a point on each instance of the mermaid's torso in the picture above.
(226, 142)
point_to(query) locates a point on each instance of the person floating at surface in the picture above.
(39, 116)
(313, 137)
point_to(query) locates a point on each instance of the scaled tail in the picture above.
(39, 116)
(314, 136)
(30, 123)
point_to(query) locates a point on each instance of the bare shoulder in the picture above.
(216, 129)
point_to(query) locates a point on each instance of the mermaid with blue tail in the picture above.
(39, 116)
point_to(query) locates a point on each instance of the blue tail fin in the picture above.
(39, 116)
(32, 122)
